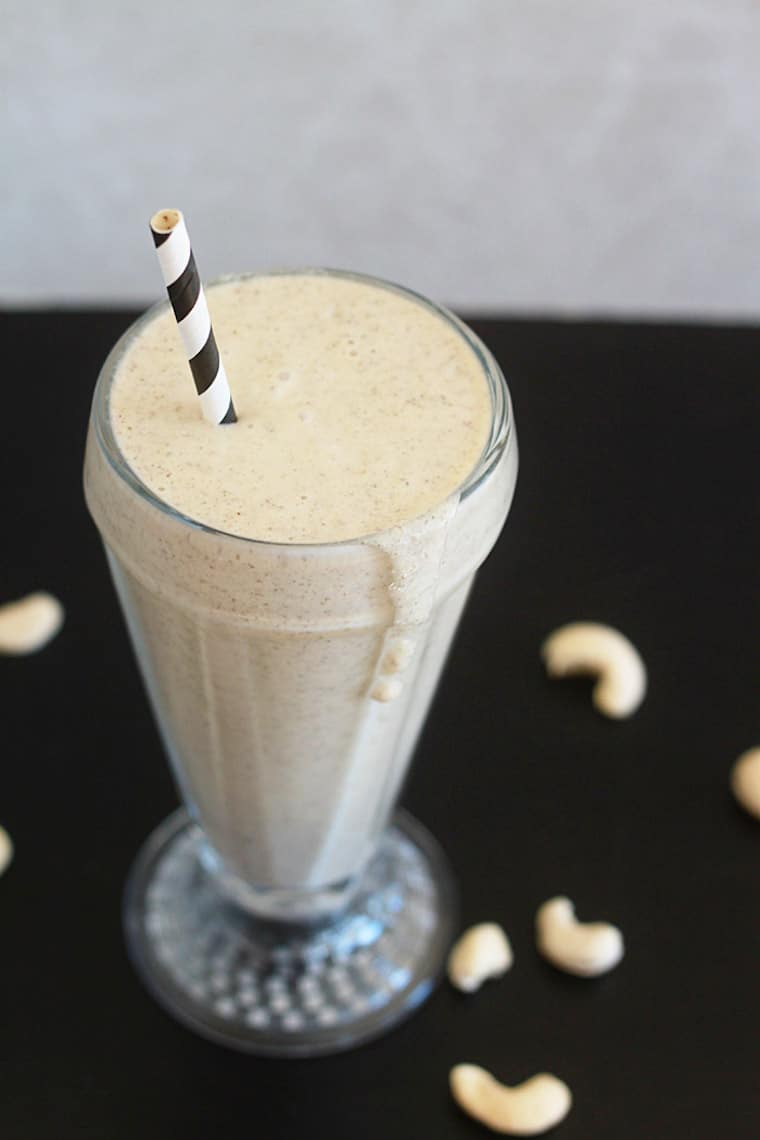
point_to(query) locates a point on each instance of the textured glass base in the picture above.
(267, 988)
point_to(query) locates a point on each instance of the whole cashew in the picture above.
(6, 849)
(481, 952)
(524, 1110)
(587, 647)
(583, 948)
(28, 624)
(745, 781)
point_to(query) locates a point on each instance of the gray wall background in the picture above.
(595, 156)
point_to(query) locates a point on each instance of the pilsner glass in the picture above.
(285, 908)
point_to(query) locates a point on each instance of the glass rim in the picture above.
(499, 437)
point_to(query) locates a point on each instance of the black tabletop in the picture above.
(637, 505)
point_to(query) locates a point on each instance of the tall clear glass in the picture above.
(284, 909)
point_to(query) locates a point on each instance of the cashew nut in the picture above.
(587, 647)
(583, 948)
(523, 1110)
(481, 952)
(6, 849)
(28, 624)
(745, 781)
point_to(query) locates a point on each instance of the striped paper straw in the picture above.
(183, 285)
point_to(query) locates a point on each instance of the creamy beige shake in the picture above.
(293, 631)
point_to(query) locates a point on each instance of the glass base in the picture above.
(270, 988)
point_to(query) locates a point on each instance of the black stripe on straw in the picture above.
(229, 415)
(205, 365)
(184, 292)
(159, 239)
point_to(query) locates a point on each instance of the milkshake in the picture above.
(292, 582)
(290, 681)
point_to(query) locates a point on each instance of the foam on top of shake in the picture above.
(358, 410)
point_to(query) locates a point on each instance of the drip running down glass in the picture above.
(283, 911)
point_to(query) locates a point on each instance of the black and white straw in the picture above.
(188, 300)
